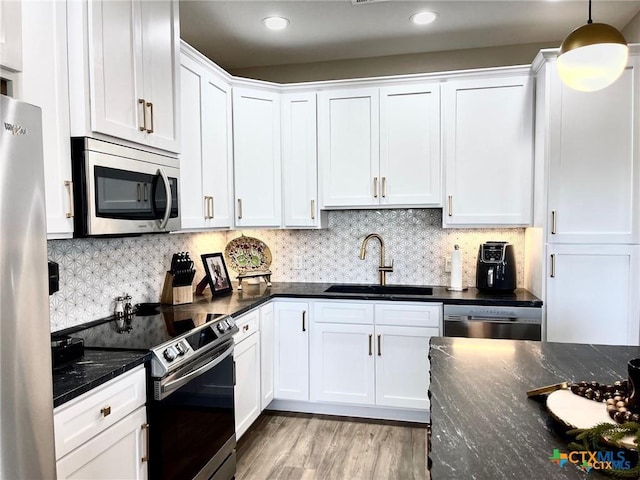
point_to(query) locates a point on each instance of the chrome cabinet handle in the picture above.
(304, 315)
(384, 187)
(313, 209)
(150, 106)
(106, 411)
(145, 428)
(451, 205)
(370, 345)
(239, 209)
(553, 265)
(554, 216)
(379, 345)
(143, 127)
(69, 185)
(375, 187)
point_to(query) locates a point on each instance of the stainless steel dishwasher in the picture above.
(482, 321)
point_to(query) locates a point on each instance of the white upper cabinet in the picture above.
(129, 87)
(487, 147)
(348, 147)
(594, 162)
(45, 83)
(11, 35)
(380, 147)
(299, 160)
(257, 163)
(206, 158)
(410, 163)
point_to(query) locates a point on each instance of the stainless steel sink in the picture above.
(380, 289)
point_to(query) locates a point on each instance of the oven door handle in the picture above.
(169, 387)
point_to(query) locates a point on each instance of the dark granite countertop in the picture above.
(254, 295)
(99, 366)
(95, 368)
(483, 426)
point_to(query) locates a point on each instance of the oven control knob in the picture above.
(169, 354)
(180, 349)
(222, 326)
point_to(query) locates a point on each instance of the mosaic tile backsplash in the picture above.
(95, 271)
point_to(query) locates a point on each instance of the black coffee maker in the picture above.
(496, 268)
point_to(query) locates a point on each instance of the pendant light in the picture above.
(592, 57)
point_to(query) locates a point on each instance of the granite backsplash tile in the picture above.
(95, 271)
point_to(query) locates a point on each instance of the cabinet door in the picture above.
(342, 363)
(592, 294)
(402, 366)
(410, 172)
(45, 83)
(487, 135)
(595, 162)
(291, 351)
(118, 452)
(217, 154)
(299, 160)
(11, 35)
(247, 390)
(348, 147)
(267, 340)
(160, 54)
(193, 204)
(115, 69)
(256, 144)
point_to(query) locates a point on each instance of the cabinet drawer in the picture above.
(428, 315)
(84, 417)
(248, 324)
(343, 312)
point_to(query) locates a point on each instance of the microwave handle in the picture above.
(167, 187)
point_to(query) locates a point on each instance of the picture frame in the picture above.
(217, 274)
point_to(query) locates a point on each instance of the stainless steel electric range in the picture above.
(190, 388)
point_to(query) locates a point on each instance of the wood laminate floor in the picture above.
(304, 447)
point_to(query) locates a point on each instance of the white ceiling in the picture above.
(231, 32)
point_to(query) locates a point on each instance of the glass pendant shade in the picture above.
(592, 57)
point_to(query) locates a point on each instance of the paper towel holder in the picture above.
(457, 288)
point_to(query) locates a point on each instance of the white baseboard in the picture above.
(379, 413)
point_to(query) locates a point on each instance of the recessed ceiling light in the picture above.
(423, 18)
(275, 23)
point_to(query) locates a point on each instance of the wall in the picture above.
(632, 31)
(95, 271)
(398, 64)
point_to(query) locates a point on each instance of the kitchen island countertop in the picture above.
(483, 426)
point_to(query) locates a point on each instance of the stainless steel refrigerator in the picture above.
(26, 397)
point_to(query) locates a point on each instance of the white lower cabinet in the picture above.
(266, 354)
(103, 434)
(291, 351)
(247, 371)
(118, 452)
(402, 365)
(372, 353)
(593, 294)
(342, 367)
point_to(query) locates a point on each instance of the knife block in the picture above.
(175, 295)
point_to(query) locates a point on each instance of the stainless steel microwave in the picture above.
(120, 190)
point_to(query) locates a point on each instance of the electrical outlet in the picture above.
(447, 265)
(297, 263)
